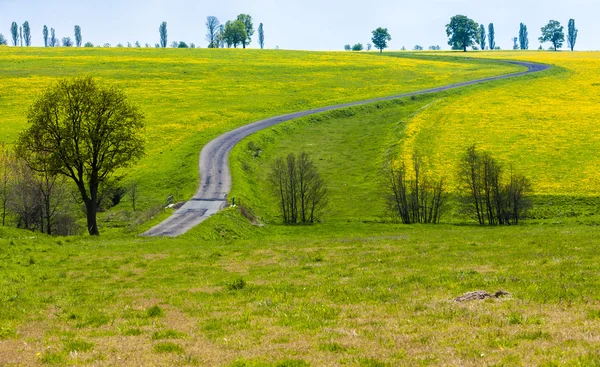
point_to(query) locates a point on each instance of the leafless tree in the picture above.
(6, 179)
(212, 31)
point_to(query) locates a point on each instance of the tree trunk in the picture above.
(92, 225)
(464, 48)
(381, 50)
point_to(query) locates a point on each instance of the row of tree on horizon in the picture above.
(232, 33)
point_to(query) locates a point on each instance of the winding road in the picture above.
(214, 158)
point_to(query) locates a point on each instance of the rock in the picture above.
(479, 295)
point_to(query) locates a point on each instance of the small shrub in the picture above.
(515, 318)
(132, 332)
(168, 334)
(78, 345)
(236, 284)
(52, 358)
(331, 347)
(168, 348)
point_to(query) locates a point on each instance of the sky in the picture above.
(299, 24)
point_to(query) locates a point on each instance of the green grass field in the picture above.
(354, 290)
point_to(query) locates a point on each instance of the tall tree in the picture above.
(221, 36)
(492, 36)
(482, 37)
(85, 131)
(380, 38)
(572, 35)
(14, 33)
(21, 35)
(261, 36)
(235, 33)
(212, 31)
(248, 27)
(53, 39)
(515, 43)
(3, 41)
(45, 33)
(553, 32)
(463, 32)
(27, 33)
(163, 34)
(523, 37)
(78, 39)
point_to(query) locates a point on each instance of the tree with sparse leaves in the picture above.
(78, 39)
(45, 34)
(523, 37)
(553, 32)
(212, 31)
(3, 40)
(85, 131)
(572, 35)
(14, 32)
(482, 37)
(261, 36)
(492, 36)
(27, 34)
(463, 32)
(67, 42)
(53, 38)
(163, 34)
(381, 37)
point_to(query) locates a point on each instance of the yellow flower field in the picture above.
(546, 125)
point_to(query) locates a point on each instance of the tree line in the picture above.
(233, 33)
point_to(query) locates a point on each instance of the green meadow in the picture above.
(353, 290)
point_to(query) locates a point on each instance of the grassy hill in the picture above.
(352, 290)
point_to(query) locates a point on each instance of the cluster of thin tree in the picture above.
(232, 33)
(464, 32)
(358, 47)
(484, 192)
(299, 188)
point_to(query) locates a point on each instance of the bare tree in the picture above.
(53, 38)
(212, 30)
(6, 179)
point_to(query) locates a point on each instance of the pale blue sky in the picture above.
(299, 24)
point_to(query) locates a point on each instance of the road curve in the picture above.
(214, 158)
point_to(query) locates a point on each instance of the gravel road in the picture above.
(214, 159)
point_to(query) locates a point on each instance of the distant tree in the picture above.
(261, 36)
(523, 37)
(347, 47)
(248, 26)
(174, 44)
(235, 33)
(6, 179)
(67, 42)
(369, 46)
(192, 45)
(27, 34)
(3, 41)
(129, 45)
(463, 32)
(357, 47)
(380, 38)
(553, 32)
(221, 36)
(572, 34)
(163, 34)
(515, 44)
(212, 31)
(106, 45)
(88, 44)
(21, 35)
(84, 131)
(403, 48)
(492, 36)
(138, 44)
(418, 48)
(482, 37)
(147, 45)
(434, 48)
(53, 39)
(182, 45)
(14, 33)
(78, 39)
(45, 33)
(540, 48)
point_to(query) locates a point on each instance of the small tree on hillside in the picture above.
(482, 37)
(163, 34)
(347, 47)
(553, 32)
(492, 36)
(523, 37)
(85, 131)
(463, 32)
(380, 38)
(261, 36)
(212, 30)
(3, 40)
(246, 20)
(67, 42)
(6, 179)
(515, 43)
(45, 34)
(572, 34)
(235, 33)
(357, 47)
(78, 38)
(14, 33)
(53, 38)
(27, 34)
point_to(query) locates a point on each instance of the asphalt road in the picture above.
(214, 159)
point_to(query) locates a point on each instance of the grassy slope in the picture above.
(191, 96)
